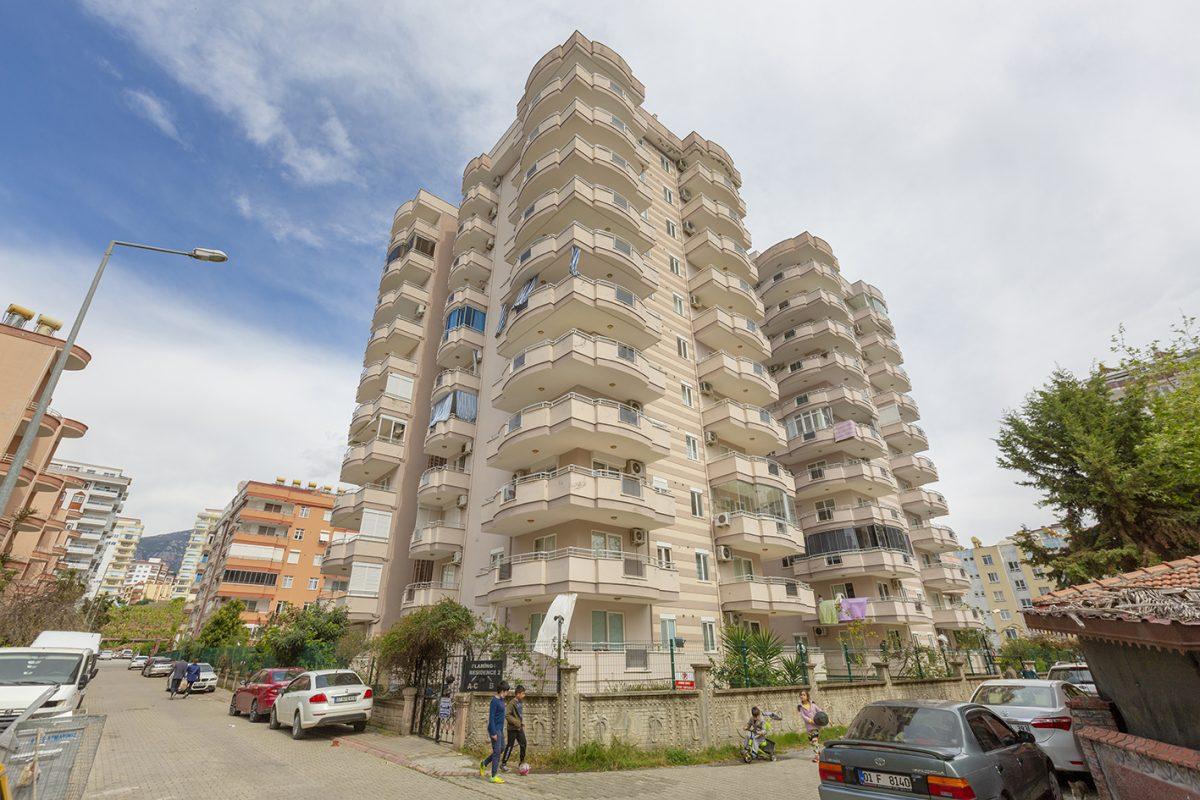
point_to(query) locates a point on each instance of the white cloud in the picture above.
(186, 399)
(277, 222)
(153, 110)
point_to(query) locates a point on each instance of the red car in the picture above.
(256, 695)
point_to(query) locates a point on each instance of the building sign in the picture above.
(685, 680)
(445, 707)
(482, 675)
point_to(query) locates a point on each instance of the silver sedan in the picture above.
(1038, 707)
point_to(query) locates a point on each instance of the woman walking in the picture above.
(808, 713)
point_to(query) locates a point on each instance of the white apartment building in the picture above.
(190, 567)
(102, 498)
(143, 570)
(117, 554)
(580, 380)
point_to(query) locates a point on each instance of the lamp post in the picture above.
(60, 363)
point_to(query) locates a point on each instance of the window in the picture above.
(317, 560)
(545, 544)
(825, 509)
(682, 347)
(743, 567)
(273, 508)
(1014, 566)
(692, 445)
(1011, 633)
(1038, 572)
(666, 163)
(535, 625)
(312, 584)
(668, 196)
(708, 631)
(1005, 614)
(987, 561)
(606, 543)
(671, 229)
(249, 577)
(676, 267)
(1021, 585)
(697, 502)
(993, 577)
(399, 386)
(303, 512)
(298, 534)
(466, 316)
(323, 537)
(608, 630)
(679, 305)
(666, 630)
(663, 552)
(702, 570)
(843, 589)
(1026, 602)
(685, 394)
(293, 557)
(328, 515)
(287, 581)
(998, 596)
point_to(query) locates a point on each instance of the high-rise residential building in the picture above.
(267, 547)
(568, 388)
(34, 523)
(190, 566)
(118, 554)
(1004, 583)
(101, 498)
(141, 570)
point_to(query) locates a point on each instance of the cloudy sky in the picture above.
(1018, 179)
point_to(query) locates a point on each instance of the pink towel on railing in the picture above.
(852, 608)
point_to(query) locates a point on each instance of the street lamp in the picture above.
(26, 444)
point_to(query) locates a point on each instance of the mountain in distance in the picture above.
(167, 546)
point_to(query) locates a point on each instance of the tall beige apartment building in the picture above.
(572, 385)
(120, 551)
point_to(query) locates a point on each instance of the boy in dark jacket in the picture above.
(496, 713)
(515, 719)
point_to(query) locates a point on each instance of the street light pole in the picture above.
(60, 363)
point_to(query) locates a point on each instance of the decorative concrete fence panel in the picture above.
(540, 714)
(648, 719)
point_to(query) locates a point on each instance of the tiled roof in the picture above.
(1164, 591)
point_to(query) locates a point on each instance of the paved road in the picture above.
(155, 748)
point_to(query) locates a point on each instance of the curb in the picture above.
(396, 758)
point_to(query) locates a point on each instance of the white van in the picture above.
(27, 672)
(68, 640)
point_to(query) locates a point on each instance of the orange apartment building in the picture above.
(33, 526)
(267, 549)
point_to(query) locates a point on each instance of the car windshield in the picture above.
(924, 727)
(337, 679)
(281, 675)
(39, 668)
(1000, 695)
(1071, 675)
(206, 667)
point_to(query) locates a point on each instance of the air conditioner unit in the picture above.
(491, 242)
(706, 388)
(685, 195)
(496, 181)
(457, 557)
(724, 552)
(462, 501)
(695, 300)
(520, 473)
(466, 451)
(818, 631)
(420, 312)
(634, 404)
(635, 468)
(637, 536)
(689, 227)
(681, 165)
(710, 438)
(722, 520)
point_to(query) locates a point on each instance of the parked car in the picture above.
(157, 667)
(106, 655)
(207, 682)
(934, 748)
(126, 653)
(137, 662)
(1078, 674)
(257, 694)
(1038, 707)
(26, 673)
(323, 697)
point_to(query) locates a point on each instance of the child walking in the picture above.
(495, 729)
(516, 726)
(808, 713)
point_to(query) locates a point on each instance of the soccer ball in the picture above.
(523, 769)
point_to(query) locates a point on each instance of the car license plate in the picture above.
(885, 780)
(1022, 726)
(345, 698)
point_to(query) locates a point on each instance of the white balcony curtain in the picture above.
(466, 405)
(503, 320)
(523, 295)
(441, 410)
(575, 251)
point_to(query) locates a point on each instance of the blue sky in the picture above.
(1018, 179)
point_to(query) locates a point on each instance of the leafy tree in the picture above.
(225, 627)
(1044, 650)
(305, 637)
(1120, 468)
(427, 634)
(153, 622)
(26, 611)
(98, 611)
(750, 658)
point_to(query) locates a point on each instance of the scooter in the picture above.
(766, 747)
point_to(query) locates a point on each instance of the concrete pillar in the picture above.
(882, 671)
(957, 663)
(704, 686)
(462, 719)
(566, 732)
(408, 699)
(817, 670)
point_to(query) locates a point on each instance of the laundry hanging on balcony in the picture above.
(503, 320)
(459, 403)
(523, 296)
(852, 608)
(575, 251)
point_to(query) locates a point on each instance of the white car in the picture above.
(207, 682)
(1078, 674)
(106, 655)
(323, 697)
(137, 662)
(1038, 707)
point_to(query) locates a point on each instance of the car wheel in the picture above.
(297, 728)
(1055, 786)
(273, 722)
(359, 727)
(254, 715)
(233, 710)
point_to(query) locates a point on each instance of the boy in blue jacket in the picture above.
(496, 713)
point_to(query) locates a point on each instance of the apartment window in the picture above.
(702, 566)
(692, 445)
(667, 166)
(1043, 589)
(825, 509)
(697, 502)
(323, 537)
(685, 394)
(1014, 566)
(535, 624)
(608, 630)
(682, 347)
(399, 386)
(287, 581)
(708, 631)
(665, 559)
(987, 561)
(1005, 614)
(668, 197)
(993, 577)
(1021, 585)
(1038, 572)
(312, 584)
(317, 560)
(274, 508)
(293, 557)
(1026, 602)
(304, 512)
(298, 534)
(666, 630)
(1011, 633)
(545, 544)
(671, 229)
(676, 266)
(998, 596)
(327, 515)
(680, 308)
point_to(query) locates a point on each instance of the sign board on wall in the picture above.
(482, 675)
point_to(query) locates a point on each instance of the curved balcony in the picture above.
(599, 166)
(752, 429)
(372, 381)
(459, 347)
(701, 212)
(849, 438)
(479, 201)
(348, 506)
(603, 256)
(888, 377)
(366, 414)
(906, 407)
(757, 594)
(870, 320)
(917, 470)
(32, 522)
(470, 268)
(878, 346)
(934, 539)
(706, 151)
(552, 368)
(822, 335)
(836, 369)
(577, 119)
(742, 379)
(27, 472)
(578, 83)
(576, 422)
(345, 549)
(367, 462)
(899, 609)
(798, 309)
(923, 503)
(436, 540)
(428, 593)
(868, 290)
(904, 438)
(578, 49)
(712, 287)
(478, 170)
(597, 207)
(946, 576)
(844, 402)
(474, 233)
(855, 516)
(768, 536)
(863, 477)
(700, 179)
(441, 487)
(399, 337)
(876, 562)
(452, 380)
(958, 616)
(413, 267)
(602, 575)
(720, 330)
(449, 437)
(537, 501)
(72, 428)
(467, 295)
(706, 248)
(51, 422)
(579, 302)
(797, 280)
(414, 210)
(734, 466)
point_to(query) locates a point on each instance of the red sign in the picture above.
(685, 684)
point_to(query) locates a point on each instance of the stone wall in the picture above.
(540, 714)
(1128, 767)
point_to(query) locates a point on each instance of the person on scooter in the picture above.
(757, 728)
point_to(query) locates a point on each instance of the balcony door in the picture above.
(422, 571)
(608, 630)
(606, 545)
